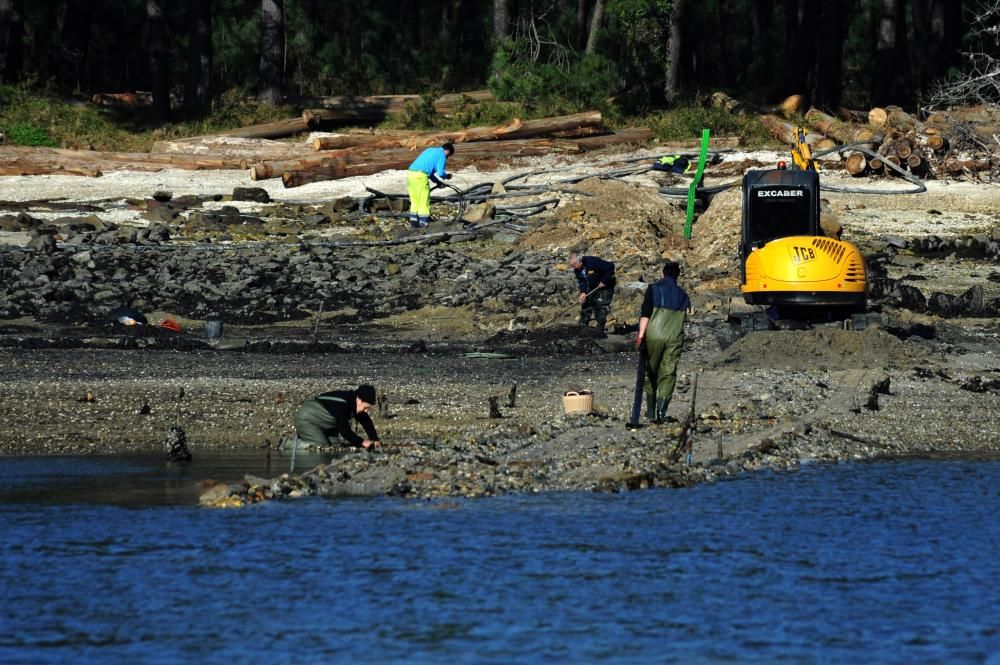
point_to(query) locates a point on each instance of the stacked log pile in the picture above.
(953, 143)
(574, 133)
(330, 157)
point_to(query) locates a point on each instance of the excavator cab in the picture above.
(787, 264)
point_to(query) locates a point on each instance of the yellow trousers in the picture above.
(419, 187)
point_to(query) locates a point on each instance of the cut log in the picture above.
(49, 169)
(378, 107)
(917, 164)
(975, 114)
(845, 132)
(791, 106)
(852, 116)
(955, 166)
(899, 119)
(337, 169)
(517, 129)
(856, 164)
(619, 137)
(271, 130)
(937, 143)
(785, 131)
(876, 165)
(904, 148)
(877, 116)
(246, 150)
(721, 100)
(86, 161)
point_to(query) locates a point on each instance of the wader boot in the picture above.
(650, 407)
(661, 410)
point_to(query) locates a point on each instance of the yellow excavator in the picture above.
(789, 268)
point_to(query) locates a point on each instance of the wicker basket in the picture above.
(578, 402)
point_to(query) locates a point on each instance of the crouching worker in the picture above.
(323, 419)
(595, 278)
(661, 329)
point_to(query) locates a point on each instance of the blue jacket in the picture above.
(664, 294)
(594, 271)
(430, 161)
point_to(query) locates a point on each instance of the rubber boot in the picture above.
(650, 407)
(661, 410)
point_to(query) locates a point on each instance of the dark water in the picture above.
(887, 562)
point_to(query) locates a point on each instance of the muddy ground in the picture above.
(913, 382)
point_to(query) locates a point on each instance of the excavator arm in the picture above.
(801, 153)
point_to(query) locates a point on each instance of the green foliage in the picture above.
(40, 120)
(558, 86)
(23, 133)
(640, 33)
(685, 123)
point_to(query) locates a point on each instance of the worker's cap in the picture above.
(366, 393)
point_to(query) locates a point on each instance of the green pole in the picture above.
(694, 183)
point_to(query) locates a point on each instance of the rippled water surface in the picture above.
(886, 562)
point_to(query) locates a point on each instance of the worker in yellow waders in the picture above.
(427, 167)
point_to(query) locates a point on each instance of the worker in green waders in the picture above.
(428, 167)
(661, 330)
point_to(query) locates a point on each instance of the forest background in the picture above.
(224, 63)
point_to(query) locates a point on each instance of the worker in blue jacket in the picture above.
(428, 167)
(596, 280)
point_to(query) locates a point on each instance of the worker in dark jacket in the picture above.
(328, 416)
(661, 329)
(596, 280)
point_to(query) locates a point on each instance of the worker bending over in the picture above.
(322, 419)
(596, 279)
(427, 167)
(661, 329)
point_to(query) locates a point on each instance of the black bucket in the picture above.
(213, 329)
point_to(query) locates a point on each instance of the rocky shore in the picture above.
(326, 295)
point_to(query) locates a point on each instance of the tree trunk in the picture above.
(581, 24)
(272, 52)
(158, 61)
(675, 49)
(75, 40)
(801, 19)
(922, 56)
(6, 12)
(831, 54)
(887, 66)
(501, 20)
(13, 62)
(198, 86)
(595, 26)
(762, 44)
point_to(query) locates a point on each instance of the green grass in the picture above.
(685, 123)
